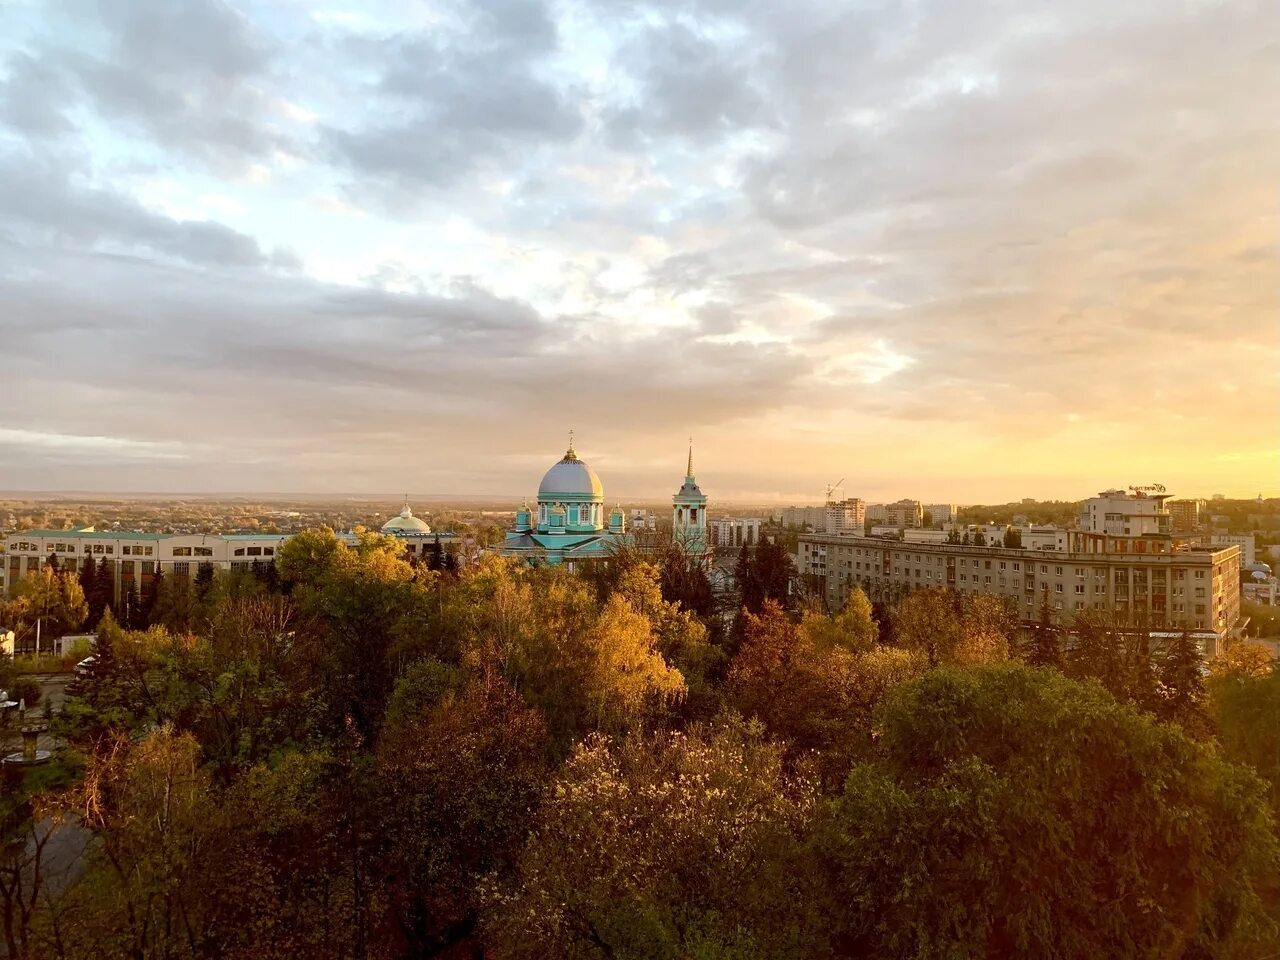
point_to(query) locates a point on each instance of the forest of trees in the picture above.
(355, 757)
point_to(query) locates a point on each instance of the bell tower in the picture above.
(689, 513)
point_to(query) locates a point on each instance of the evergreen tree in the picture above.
(953, 535)
(979, 539)
(449, 563)
(204, 581)
(1045, 649)
(130, 613)
(435, 557)
(52, 563)
(1012, 537)
(965, 538)
(1182, 685)
(87, 575)
(150, 600)
(102, 594)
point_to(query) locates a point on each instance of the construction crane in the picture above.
(832, 488)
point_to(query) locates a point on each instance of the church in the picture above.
(569, 524)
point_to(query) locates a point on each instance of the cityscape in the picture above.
(649, 480)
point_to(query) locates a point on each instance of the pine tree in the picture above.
(435, 557)
(152, 597)
(1045, 649)
(979, 539)
(88, 573)
(204, 581)
(130, 614)
(1182, 685)
(102, 594)
(52, 563)
(965, 539)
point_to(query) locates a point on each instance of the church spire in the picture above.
(689, 471)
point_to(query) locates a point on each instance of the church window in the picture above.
(693, 515)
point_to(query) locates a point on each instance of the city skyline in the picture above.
(962, 252)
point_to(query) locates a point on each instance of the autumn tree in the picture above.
(679, 845)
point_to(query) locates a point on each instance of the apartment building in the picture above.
(1127, 514)
(733, 532)
(814, 518)
(904, 514)
(1184, 515)
(1245, 541)
(940, 513)
(1153, 579)
(845, 516)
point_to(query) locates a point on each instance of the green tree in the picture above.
(1013, 537)
(52, 599)
(1243, 700)
(1182, 694)
(1045, 647)
(1008, 805)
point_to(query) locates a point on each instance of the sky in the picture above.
(945, 250)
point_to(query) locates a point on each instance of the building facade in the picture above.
(905, 514)
(729, 533)
(845, 517)
(940, 513)
(1184, 515)
(1155, 580)
(1127, 514)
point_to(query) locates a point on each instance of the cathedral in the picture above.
(568, 524)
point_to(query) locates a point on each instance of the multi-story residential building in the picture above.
(904, 514)
(1127, 514)
(1245, 541)
(845, 516)
(1155, 580)
(733, 532)
(814, 518)
(1184, 515)
(877, 513)
(940, 513)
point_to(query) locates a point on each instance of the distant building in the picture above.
(877, 513)
(845, 516)
(1154, 580)
(729, 533)
(1122, 514)
(1184, 515)
(643, 520)
(923, 536)
(904, 514)
(940, 513)
(1245, 541)
(815, 518)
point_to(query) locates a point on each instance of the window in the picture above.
(1057, 588)
(1043, 568)
(148, 566)
(1199, 574)
(202, 551)
(182, 569)
(1017, 567)
(240, 551)
(1057, 571)
(1200, 592)
(182, 552)
(271, 551)
(1200, 608)
(254, 551)
(111, 548)
(1001, 564)
(1079, 588)
(987, 565)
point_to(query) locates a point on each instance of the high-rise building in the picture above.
(814, 518)
(940, 513)
(845, 516)
(904, 514)
(733, 532)
(1184, 515)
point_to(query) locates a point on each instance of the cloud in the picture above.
(901, 239)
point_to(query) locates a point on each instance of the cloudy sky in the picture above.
(947, 249)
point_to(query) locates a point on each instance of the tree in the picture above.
(1181, 674)
(947, 628)
(203, 581)
(1013, 537)
(152, 597)
(435, 559)
(979, 538)
(1118, 658)
(1045, 648)
(1008, 805)
(52, 600)
(52, 562)
(679, 845)
(1243, 703)
(131, 614)
(103, 592)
